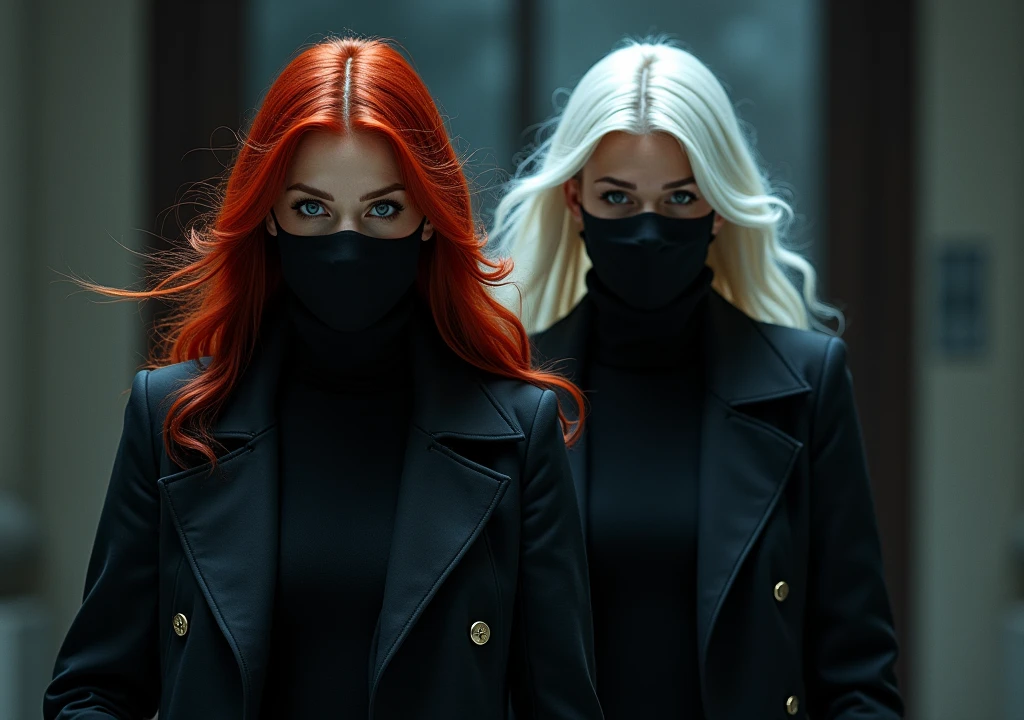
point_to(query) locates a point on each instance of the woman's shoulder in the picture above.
(154, 388)
(521, 401)
(161, 382)
(812, 354)
(750, 347)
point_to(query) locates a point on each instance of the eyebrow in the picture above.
(631, 186)
(382, 191)
(615, 181)
(323, 194)
(678, 183)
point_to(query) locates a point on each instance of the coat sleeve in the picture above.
(851, 644)
(108, 666)
(552, 653)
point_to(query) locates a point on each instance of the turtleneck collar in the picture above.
(628, 338)
(351, 360)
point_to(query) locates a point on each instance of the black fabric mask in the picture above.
(348, 280)
(648, 260)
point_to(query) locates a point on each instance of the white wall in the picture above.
(970, 415)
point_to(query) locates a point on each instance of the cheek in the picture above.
(700, 208)
(401, 227)
(397, 226)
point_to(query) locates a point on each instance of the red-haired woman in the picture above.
(345, 493)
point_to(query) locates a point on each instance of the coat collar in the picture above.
(450, 400)
(743, 366)
(227, 517)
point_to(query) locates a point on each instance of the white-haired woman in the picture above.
(735, 565)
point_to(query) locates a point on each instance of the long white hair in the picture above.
(641, 88)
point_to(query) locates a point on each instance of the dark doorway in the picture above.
(194, 109)
(870, 219)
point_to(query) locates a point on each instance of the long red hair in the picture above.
(219, 285)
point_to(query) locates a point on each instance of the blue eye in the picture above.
(307, 209)
(682, 197)
(382, 210)
(386, 210)
(615, 197)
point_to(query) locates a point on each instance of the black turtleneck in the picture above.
(344, 406)
(646, 382)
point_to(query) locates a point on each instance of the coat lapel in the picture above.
(745, 462)
(444, 499)
(227, 520)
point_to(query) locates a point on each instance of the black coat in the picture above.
(783, 497)
(486, 529)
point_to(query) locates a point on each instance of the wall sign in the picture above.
(963, 307)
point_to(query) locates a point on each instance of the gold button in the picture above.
(180, 625)
(781, 591)
(793, 705)
(480, 633)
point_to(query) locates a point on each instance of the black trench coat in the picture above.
(793, 617)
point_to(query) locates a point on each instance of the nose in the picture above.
(348, 223)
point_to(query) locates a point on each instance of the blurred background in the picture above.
(896, 127)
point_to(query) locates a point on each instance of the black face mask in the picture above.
(648, 260)
(348, 280)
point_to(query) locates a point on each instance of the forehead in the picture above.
(345, 163)
(656, 157)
